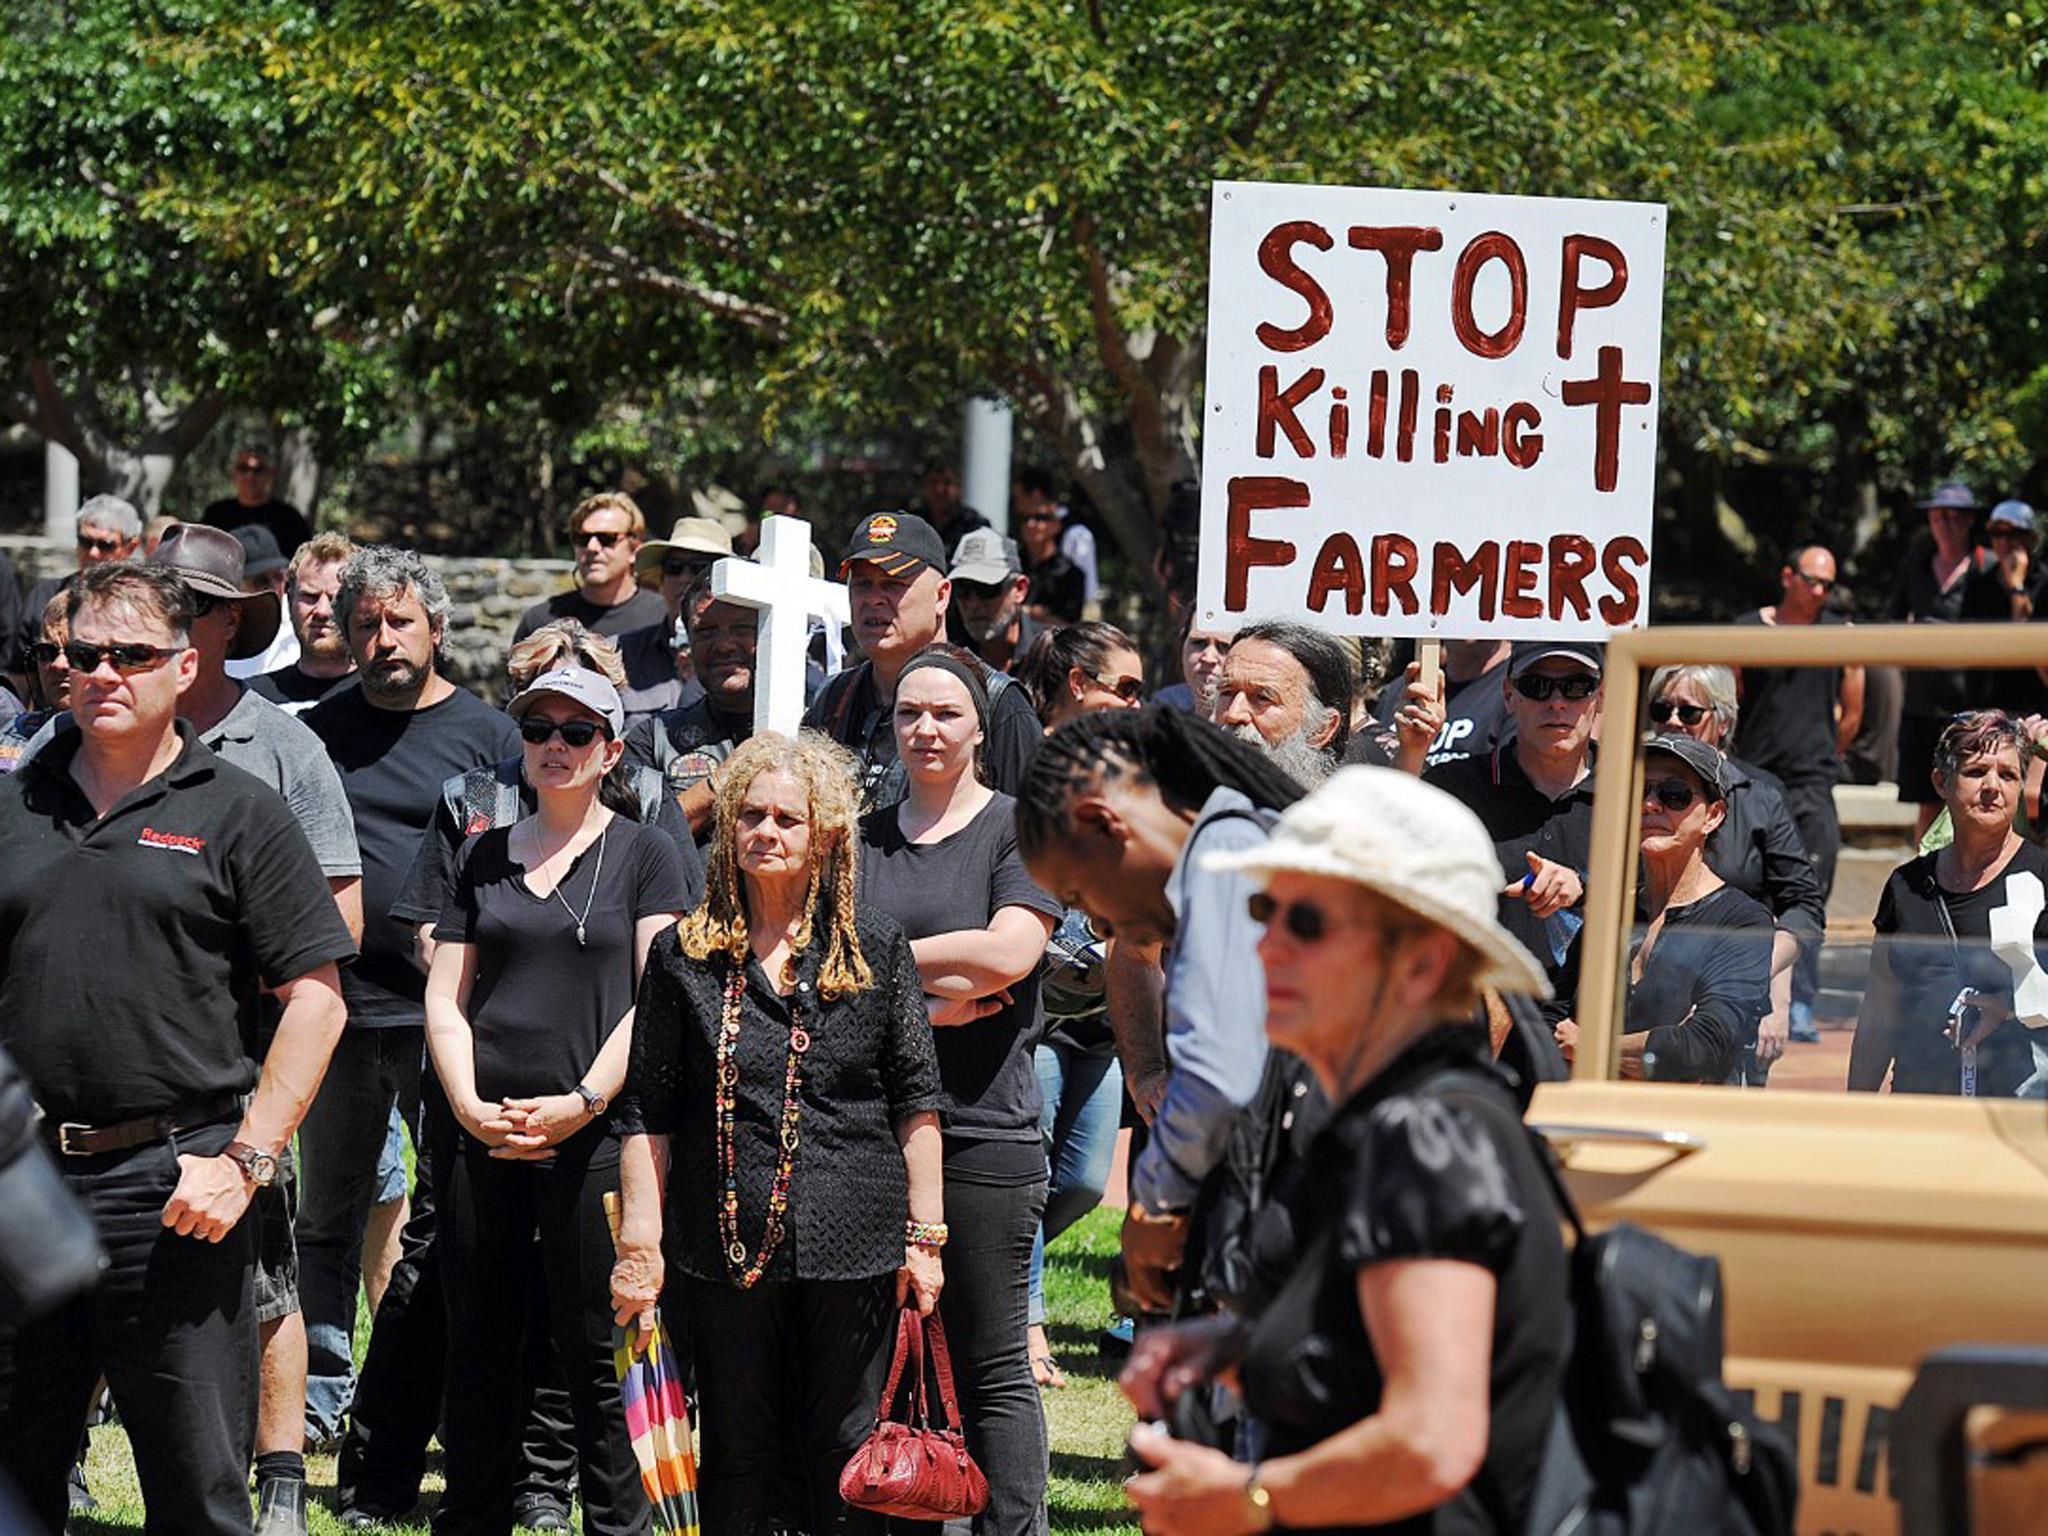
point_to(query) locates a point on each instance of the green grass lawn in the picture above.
(1087, 1418)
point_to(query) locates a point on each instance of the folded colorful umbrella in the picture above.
(658, 1419)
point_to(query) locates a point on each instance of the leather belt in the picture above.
(71, 1139)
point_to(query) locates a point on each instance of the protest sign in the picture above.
(1429, 413)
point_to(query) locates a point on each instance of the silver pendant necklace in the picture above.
(591, 895)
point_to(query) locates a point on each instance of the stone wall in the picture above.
(486, 596)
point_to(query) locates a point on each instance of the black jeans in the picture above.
(810, 1353)
(397, 1405)
(172, 1326)
(984, 1307)
(490, 1209)
(1812, 804)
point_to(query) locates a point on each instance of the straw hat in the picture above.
(1410, 843)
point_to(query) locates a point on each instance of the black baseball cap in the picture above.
(1526, 653)
(901, 543)
(1702, 759)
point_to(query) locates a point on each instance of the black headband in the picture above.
(977, 690)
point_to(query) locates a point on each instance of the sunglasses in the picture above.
(1303, 920)
(1573, 685)
(1688, 714)
(44, 653)
(577, 733)
(1672, 794)
(679, 565)
(126, 656)
(1818, 583)
(605, 540)
(1129, 689)
(89, 545)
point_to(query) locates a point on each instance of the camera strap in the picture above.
(1966, 1054)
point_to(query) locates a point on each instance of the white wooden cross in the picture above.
(778, 584)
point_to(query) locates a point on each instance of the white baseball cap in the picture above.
(580, 685)
(1410, 843)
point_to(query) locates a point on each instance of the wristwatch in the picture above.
(596, 1103)
(258, 1166)
(1259, 1500)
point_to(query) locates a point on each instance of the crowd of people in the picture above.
(779, 1035)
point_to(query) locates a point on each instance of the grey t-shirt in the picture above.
(261, 739)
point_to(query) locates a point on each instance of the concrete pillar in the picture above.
(985, 459)
(60, 492)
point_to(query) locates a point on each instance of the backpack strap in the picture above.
(650, 788)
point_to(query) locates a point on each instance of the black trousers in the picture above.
(985, 1305)
(809, 1353)
(490, 1209)
(397, 1405)
(172, 1326)
(1812, 804)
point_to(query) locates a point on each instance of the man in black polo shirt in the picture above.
(1534, 792)
(147, 889)
(895, 571)
(395, 736)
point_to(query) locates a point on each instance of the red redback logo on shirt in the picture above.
(478, 822)
(177, 842)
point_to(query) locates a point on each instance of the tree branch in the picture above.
(1148, 428)
(623, 267)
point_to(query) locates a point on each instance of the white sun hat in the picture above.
(1412, 844)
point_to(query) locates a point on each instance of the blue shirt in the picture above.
(1215, 1007)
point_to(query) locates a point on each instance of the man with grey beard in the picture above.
(1287, 688)
(989, 588)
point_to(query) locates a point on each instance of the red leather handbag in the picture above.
(910, 1467)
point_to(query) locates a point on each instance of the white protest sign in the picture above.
(778, 582)
(1429, 413)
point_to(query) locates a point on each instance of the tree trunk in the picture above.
(300, 474)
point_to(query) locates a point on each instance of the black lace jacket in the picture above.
(870, 1064)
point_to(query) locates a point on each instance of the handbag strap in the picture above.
(942, 1368)
(907, 1338)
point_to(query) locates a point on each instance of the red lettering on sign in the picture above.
(1276, 260)
(1338, 568)
(1574, 296)
(1398, 243)
(1520, 446)
(1340, 423)
(1394, 565)
(1479, 433)
(1241, 552)
(1607, 393)
(1518, 599)
(1404, 433)
(1451, 572)
(1491, 246)
(1572, 559)
(1277, 407)
(1376, 415)
(1621, 608)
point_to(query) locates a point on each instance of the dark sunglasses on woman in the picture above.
(1688, 714)
(1129, 689)
(1303, 920)
(1573, 685)
(1672, 794)
(577, 733)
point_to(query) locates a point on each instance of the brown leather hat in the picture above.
(210, 562)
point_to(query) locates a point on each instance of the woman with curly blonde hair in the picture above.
(781, 1129)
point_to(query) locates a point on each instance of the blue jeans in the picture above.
(1084, 1095)
(340, 1142)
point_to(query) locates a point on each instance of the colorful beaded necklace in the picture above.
(727, 1091)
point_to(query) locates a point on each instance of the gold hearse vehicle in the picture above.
(1859, 1233)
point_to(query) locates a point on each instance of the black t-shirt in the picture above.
(542, 1004)
(849, 712)
(392, 765)
(294, 691)
(962, 881)
(1978, 596)
(1476, 718)
(1704, 986)
(287, 524)
(1521, 820)
(1914, 944)
(1060, 586)
(432, 875)
(1430, 1160)
(29, 626)
(1787, 725)
(636, 612)
(131, 945)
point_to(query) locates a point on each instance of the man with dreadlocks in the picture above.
(1115, 816)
